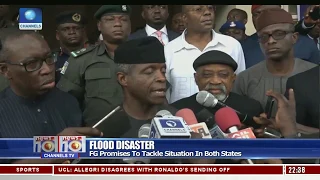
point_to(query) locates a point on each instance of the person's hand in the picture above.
(263, 161)
(81, 131)
(308, 21)
(285, 119)
(306, 130)
(264, 122)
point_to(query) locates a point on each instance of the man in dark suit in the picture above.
(306, 89)
(155, 17)
(215, 73)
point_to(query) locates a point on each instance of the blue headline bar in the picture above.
(100, 148)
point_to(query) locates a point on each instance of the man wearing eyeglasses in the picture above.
(304, 47)
(275, 29)
(31, 105)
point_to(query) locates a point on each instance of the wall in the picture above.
(249, 26)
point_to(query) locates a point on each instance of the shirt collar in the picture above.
(312, 37)
(27, 101)
(150, 30)
(216, 39)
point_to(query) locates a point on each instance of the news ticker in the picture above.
(73, 147)
(240, 169)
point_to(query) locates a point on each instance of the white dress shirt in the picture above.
(152, 32)
(180, 56)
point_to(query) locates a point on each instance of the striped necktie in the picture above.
(159, 34)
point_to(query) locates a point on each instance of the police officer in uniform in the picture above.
(71, 35)
(89, 74)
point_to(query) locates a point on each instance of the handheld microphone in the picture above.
(206, 99)
(168, 127)
(228, 121)
(205, 116)
(142, 133)
(191, 120)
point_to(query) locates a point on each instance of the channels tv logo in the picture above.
(171, 123)
(72, 144)
(45, 144)
(30, 19)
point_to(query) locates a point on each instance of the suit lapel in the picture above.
(170, 36)
(143, 33)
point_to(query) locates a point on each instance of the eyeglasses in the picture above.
(276, 35)
(36, 64)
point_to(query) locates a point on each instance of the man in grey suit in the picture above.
(155, 17)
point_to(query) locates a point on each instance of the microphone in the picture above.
(163, 113)
(142, 133)
(206, 116)
(191, 120)
(107, 116)
(76, 161)
(228, 121)
(206, 99)
(168, 126)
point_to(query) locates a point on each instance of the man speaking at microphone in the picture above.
(215, 73)
(141, 73)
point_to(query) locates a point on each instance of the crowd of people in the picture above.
(65, 92)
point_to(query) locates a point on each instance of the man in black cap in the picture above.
(90, 73)
(71, 35)
(215, 73)
(141, 73)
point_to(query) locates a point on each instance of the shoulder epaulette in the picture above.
(82, 51)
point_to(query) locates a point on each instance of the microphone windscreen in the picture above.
(206, 99)
(206, 116)
(187, 115)
(163, 113)
(144, 131)
(226, 117)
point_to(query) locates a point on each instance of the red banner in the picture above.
(25, 169)
(159, 169)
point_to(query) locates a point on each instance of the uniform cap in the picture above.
(112, 9)
(232, 24)
(70, 17)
